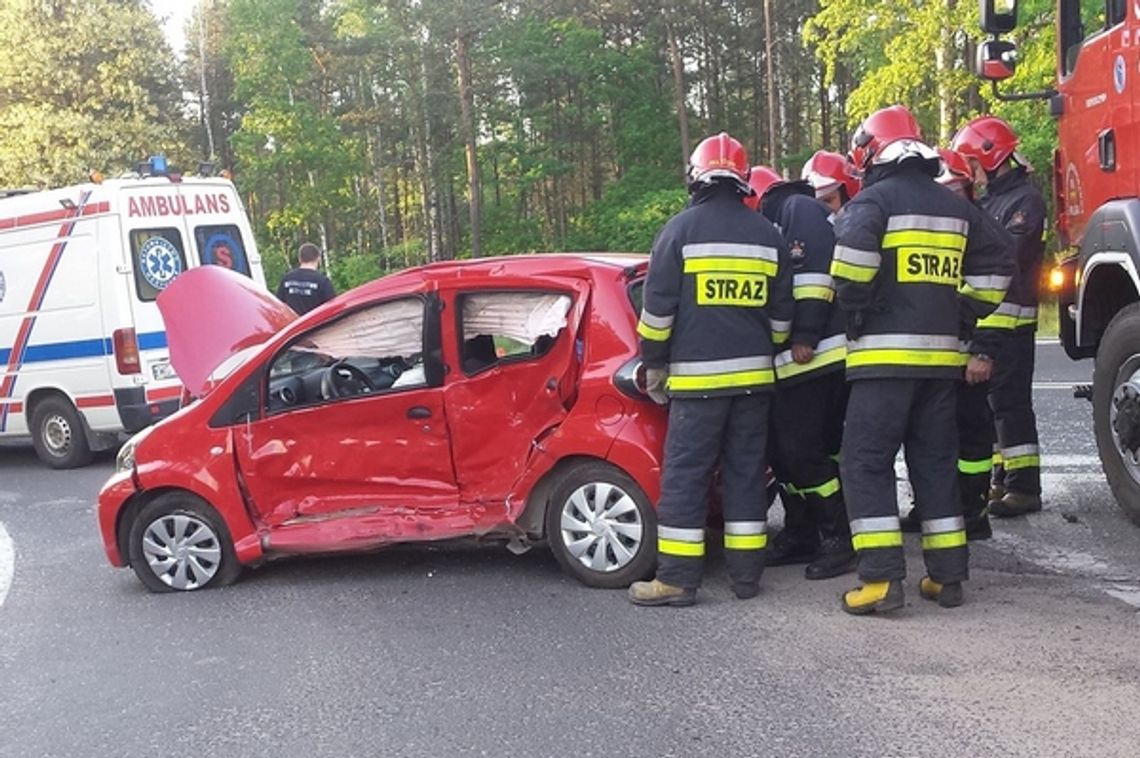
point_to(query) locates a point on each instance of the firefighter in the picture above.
(811, 392)
(1008, 334)
(717, 298)
(912, 261)
(830, 176)
(975, 419)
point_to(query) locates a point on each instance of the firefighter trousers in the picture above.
(919, 415)
(1011, 399)
(975, 448)
(807, 432)
(702, 431)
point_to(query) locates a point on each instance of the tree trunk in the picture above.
(679, 96)
(773, 153)
(467, 116)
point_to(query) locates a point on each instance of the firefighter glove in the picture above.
(655, 379)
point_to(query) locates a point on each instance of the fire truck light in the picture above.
(1056, 279)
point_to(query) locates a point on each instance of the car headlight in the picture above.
(125, 461)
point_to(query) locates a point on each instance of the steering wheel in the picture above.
(342, 379)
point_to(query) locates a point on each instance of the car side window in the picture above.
(377, 349)
(501, 327)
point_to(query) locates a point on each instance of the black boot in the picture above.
(836, 557)
(787, 548)
(978, 528)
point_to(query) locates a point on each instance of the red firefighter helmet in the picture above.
(894, 127)
(956, 171)
(987, 139)
(826, 172)
(761, 179)
(719, 157)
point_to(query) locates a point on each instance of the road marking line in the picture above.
(7, 563)
(1056, 385)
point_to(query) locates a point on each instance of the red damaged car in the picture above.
(495, 399)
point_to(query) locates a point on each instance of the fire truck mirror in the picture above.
(997, 60)
(999, 16)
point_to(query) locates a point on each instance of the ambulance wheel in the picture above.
(178, 543)
(59, 435)
(1116, 408)
(601, 526)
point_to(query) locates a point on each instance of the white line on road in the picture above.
(7, 563)
(1055, 385)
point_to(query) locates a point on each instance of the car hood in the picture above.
(211, 313)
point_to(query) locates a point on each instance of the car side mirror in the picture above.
(997, 60)
(999, 16)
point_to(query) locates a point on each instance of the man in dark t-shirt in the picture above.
(304, 288)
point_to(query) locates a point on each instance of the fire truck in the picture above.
(1096, 181)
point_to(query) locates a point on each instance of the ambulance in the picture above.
(83, 351)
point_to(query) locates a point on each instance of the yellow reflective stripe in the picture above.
(1022, 461)
(651, 333)
(867, 540)
(998, 321)
(944, 540)
(852, 272)
(828, 488)
(813, 292)
(679, 548)
(779, 337)
(720, 381)
(983, 466)
(856, 358)
(985, 296)
(919, 238)
(819, 360)
(731, 265)
(745, 541)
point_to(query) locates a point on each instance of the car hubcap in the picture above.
(1124, 416)
(601, 526)
(57, 435)
(182, 551)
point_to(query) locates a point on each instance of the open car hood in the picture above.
(211, 313)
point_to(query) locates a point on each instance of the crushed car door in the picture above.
(354, 425)
(519, 356)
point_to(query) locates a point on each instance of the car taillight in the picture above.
(630, 379)
(126, 351)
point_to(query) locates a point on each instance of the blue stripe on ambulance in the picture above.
(93, 348)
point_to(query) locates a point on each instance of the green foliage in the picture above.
(629, 215)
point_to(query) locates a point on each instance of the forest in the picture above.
(395, 132)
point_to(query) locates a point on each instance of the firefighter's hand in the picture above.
(655, 385)
(979, 369)
(802, 353)
(854, 325)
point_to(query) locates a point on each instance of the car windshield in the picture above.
(228, 366)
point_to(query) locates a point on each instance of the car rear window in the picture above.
(222, 245)
(158, 258)
(503, 326)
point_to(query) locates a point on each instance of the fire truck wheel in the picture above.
(1116, 408)
(601, 526)
(58, 434)
(178, 544)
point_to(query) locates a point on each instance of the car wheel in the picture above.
(58, 434)
(601, 527)
(1116, 408)
(178, 543)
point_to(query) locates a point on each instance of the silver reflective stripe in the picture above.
(991, 282)
(909, 221)
(728, 250)
(1028, 311)
(818, 280)
(854, 256)
(875, 524)
(943, 525)
(825, 344)
(726, 366)
(1019, 450)
(681, 535)
(906, 342)
(1007, 309)
(657, 322)
(745, 527)
(781, 326)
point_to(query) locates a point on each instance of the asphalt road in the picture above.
(474, 651)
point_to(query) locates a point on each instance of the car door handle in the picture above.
(419, 411)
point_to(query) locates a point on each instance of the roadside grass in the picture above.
(1048, 318)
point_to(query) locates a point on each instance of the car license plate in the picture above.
(162, 370)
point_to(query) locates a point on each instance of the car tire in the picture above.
(178, 543)
(1116, 407)
(601, 527)
(59, 435)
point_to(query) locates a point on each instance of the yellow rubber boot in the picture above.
(949, 595)
(657, 592)
(874, 597)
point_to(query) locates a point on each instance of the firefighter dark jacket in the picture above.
(1018, 206)
(818, 322)
(717, 297)
(914, 266)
